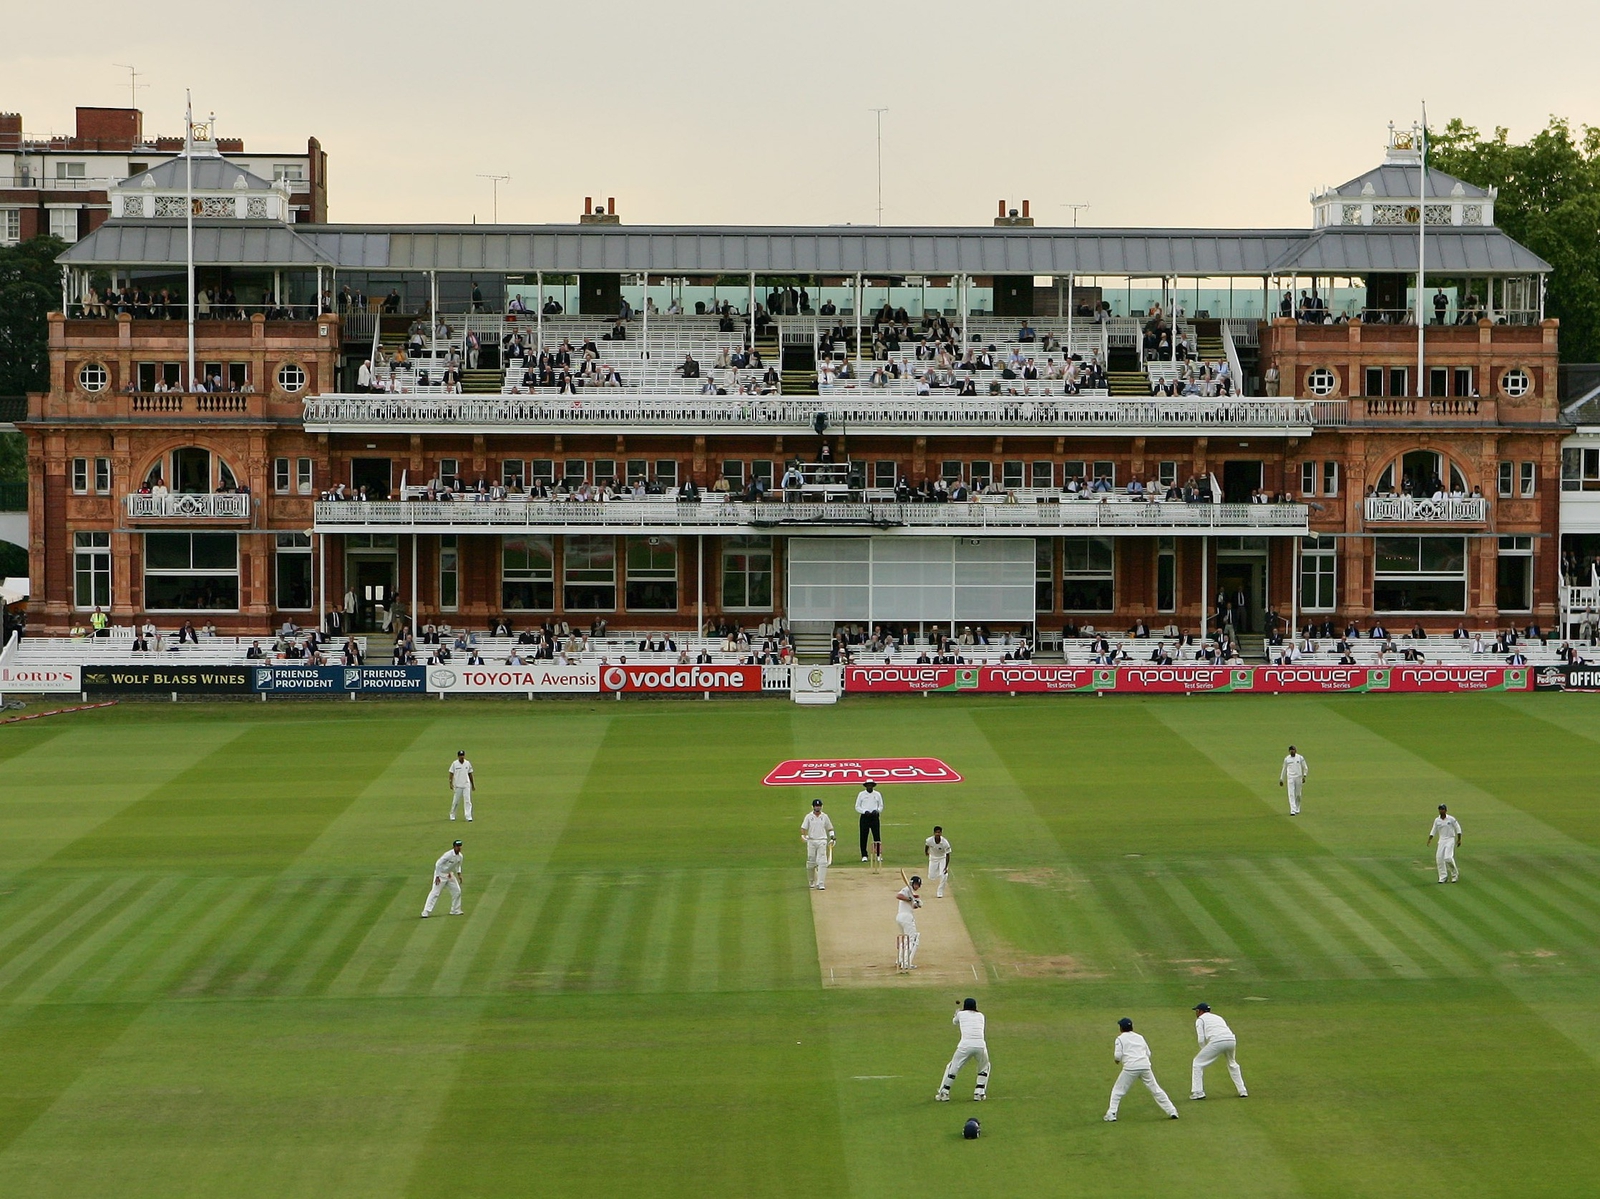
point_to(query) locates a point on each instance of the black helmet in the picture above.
(916, 880)
(972, 1130)
(969, 1005)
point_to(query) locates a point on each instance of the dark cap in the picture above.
(816, 803)
(1441, 807)
(461, 753)
(1125, 1024)
(1202, 1007)
(869, 783)
(456, 844)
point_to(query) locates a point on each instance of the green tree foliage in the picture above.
(30, 286)
(1550, 202)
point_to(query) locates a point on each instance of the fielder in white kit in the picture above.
(446, 873)
(1216, 1040)
(971, 1047)
(816, 830)
(937, 851)
(461, 784)
(1130, 1049)
(906, 918)
(1293, 776)
(1448, 829)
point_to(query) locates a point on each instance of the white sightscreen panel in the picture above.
(911, 578)
(828, 578)
(994, 579)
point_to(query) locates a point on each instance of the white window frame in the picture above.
(1089, 572)
(10, 226)
(747, 547)
(1330, 478)
(305, 476)
(91, 561)
(1308, 478)
(652, 546)
(292, 546)
(80, 476)
(102, 476)
(1515, 547)
(194, 571)
(292, 377)
(1506, 479)
(280, 476)
(1516, 382)
(1322, 381)
(93, 377)
(1527, 479)
(449, 568)
(1319, 562)
(1464, 577)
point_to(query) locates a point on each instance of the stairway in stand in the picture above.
(813, 640)
(799, 370)
(1125, 374)
(1208, 340)
(481, 382)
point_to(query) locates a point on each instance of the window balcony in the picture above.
(663, 515)
(610, 411)
(184, 507)
(1403, 509)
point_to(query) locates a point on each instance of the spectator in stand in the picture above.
(689, 368)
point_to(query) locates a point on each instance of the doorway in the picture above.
(375, 474)
(1240, 480)
(375, 580)
(1244, 576)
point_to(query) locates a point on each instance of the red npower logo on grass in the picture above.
(803, 771)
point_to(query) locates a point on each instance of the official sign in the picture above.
(804, 772)
(40, 679)
(545, 678)
(191, 680)
(1567, 678)
(669, 678)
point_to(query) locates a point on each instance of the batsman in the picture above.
(816, 830)
(906, 918)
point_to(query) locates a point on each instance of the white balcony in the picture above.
(177, 506)
(1405, 508)
(609, 411)
(665, 516)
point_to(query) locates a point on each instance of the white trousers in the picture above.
(443, 881)
(1145, 1075)
(463, 796)
(964, 1054)
(937, 870)
(817, 863)
(1445, 856)
(1294, 787)
(1210, 1052)
(906, 955)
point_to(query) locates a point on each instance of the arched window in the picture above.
(191, 470)
(1422, 474)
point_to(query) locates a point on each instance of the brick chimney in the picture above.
(606, 214)
(1009, 218)
(10, 131)
(109, 128)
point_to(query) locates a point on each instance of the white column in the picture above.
(645, 348)
(1070, 280)
(1205, 589)
(857, 308)
(413, 587)
(322, 582)
(750, 310)
(1294, 588)
(539, 309)
(699, 584)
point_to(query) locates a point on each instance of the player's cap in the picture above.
(461, 753)
(816, 803)
(1125, 1024)
(869, 784)
(456, 844)
(1441, 807)
(1202, 1007)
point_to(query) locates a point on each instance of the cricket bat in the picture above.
(904, 879)
(830, 853)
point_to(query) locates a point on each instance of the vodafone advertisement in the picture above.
(809, 771)
(40, 679)
(666, 677)
(1170, 680)
(547, 678)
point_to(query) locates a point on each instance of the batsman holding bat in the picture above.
(906, 942)
(816, 830)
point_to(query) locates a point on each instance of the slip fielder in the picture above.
(446, 873)
(461, 785)
(1216, 1040)
(1292, 774)
(1133, 1053)
(816, 830)
(971, 1047)
(905, 917)
(937, 850)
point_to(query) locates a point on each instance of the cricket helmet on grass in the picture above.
(972, 1130)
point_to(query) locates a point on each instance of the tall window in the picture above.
(513, 472)
(80, 475)
(1308, 478)
(1087, 581)
(981, 474)
(305, 477)
(191, 572)
(747, 574)
(91, 570)
(1580, 469)
(1527, 477)
(280, 475)
(1044, 475)
(1318, 563)
(1044, 575)
(1330, 478)
(294, 572)
(10, 226)
(1011, 475)
(1420, 574)
(590, 574)
(883, 475)
(652, 574)
(733, 471)
(1166, 574)
(667, 472)
(1514, 575)
(449, 573)
(527, 574)
(1167, 473)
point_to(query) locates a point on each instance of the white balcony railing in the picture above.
(607, 411)
(1406, 508)
(665, 516)
(175, 506)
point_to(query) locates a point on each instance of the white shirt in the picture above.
(971, 1025)
(817, 827)
(937, 849)
(1131, 1051)
(461, 773)
(449, 863)
(1212, 1027)
(1294, 768)
(1447, 829)
(869, 801)
(906, 909)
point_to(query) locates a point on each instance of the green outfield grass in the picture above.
(213, 981)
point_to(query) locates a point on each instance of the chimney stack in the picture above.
(588, 206)
(1011, 218)
(599, 214)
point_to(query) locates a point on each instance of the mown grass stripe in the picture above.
(469, 942)
(566, 936)
(1523, 896)
(391, 929)
(234, 942)
(358, 910)
(1268, 947)
(1547, 886)
(38, 919)
(49, 938)
(758, 912)
(1337, 954)
(526, 911)
(1405, 889)
(255, 974)
(176, 956)
(704, 961)
(1324, 897)
(1216, 937)
(1367, 892)
(663, 919)
(65, 965)
(1571, 871)
(1148, 906)
(150, 942)
(609, 955)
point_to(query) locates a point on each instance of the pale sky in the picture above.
(1225, 113)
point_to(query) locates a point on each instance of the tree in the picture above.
(30, 287)
(1549, 200)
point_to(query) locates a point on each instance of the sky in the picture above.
(1160, 113)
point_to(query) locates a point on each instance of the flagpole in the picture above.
(188, 208)
(1422, 225)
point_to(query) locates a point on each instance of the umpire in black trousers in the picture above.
(869, 804)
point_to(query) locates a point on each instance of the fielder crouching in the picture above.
(971, 1047)
(1216, 1040)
